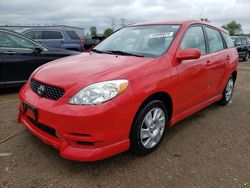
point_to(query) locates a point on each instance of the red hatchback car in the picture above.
(129, 89)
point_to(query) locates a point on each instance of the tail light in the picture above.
(82, 42)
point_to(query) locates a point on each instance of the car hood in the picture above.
(87, 68)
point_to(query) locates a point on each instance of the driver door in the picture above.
(18, 57)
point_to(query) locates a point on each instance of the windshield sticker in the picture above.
(161, 35)
(175, 26)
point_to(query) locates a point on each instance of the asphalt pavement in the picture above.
(209, 149)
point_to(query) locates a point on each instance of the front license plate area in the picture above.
(29, 110)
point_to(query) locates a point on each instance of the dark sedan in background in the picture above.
(242, 44)
(20, 56)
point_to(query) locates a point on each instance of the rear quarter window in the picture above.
(228, 40)
(52, 35)
(73, 35)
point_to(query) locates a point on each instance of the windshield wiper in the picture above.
(98, 51)
(124, 53)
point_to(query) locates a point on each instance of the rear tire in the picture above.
(148, 127)
(228, 92)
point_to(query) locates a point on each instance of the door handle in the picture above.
(9, 52)
(228, 57)
(208, 63)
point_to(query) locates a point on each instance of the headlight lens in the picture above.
(99, 92)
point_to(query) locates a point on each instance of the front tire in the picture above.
(148, 127)
(228, 92)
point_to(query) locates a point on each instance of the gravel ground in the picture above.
(209, 149)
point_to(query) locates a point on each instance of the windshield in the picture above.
(146, 41)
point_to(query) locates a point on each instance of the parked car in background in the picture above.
(20, 56)
(56, 38)
(242, 44)
(129, 89)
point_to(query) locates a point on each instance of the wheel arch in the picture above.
(234, 75)
(160, 95)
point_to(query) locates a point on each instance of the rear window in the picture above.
(228, 40)
(52, 35)
(73, 35)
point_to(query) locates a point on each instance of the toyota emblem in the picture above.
(40, 90)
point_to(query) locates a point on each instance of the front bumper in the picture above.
(83, 133)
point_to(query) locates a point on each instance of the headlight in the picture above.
(99, 92)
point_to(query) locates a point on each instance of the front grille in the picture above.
(47, 91)
(43, 127)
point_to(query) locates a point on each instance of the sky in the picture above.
(100, 13)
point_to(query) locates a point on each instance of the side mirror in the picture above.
(187, 54)
(38, 49)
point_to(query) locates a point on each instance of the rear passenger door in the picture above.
(216, 64)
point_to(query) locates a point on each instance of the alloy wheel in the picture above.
(229, 89)
(152, 127)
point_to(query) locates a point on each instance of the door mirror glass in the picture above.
(38, 49)
(188, 54)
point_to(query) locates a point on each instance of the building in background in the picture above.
(19, 28)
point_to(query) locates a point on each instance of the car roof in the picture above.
(1, 29)
(45, 29)
(186, 22)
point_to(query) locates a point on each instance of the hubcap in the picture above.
(152, 127)
(229, 89)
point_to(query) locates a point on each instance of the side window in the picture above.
(8, 40)
(52, 35)
(244, 41)
(228, 40)
(215, 42)
(238, 41)
(194, 38)
(73, 35)
(34, 34)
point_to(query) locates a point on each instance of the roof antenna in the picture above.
(201, 12)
